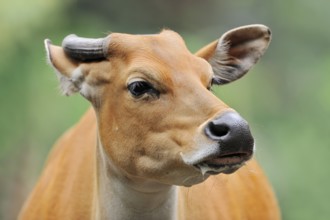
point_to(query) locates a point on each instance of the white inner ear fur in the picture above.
(68, 86)
(231, 63)
(218, 60)
(77, 83)
(71, 85)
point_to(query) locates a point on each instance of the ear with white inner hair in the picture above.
(233, 55)
(67, 69)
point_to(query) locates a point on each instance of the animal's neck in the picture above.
(121, 197)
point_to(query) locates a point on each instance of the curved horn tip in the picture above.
(68, 38)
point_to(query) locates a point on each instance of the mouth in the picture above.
(227, 164)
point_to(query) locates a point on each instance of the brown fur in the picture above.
(144, 138)
(64, 186)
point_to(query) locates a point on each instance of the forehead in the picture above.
(165, 52)
(166, 40)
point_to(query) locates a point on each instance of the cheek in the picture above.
(124, 142)
(144, 155)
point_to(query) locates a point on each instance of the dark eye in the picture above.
(139, 88)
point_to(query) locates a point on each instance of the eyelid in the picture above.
(163, 85)
(142, 74)
(137, 79)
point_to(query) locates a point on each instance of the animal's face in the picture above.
(157, 117)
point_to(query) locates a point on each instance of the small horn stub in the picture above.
(85, 49)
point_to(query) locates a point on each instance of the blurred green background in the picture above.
(286, 97)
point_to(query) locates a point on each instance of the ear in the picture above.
(232, 56)
(67, 69)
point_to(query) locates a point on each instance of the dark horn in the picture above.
(85, 49)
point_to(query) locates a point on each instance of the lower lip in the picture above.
(227, 171)
(213, 169)
(226, 164)
(221, 161)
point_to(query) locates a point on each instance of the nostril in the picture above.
(232, 133)
(217, 130)
(228, 127)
